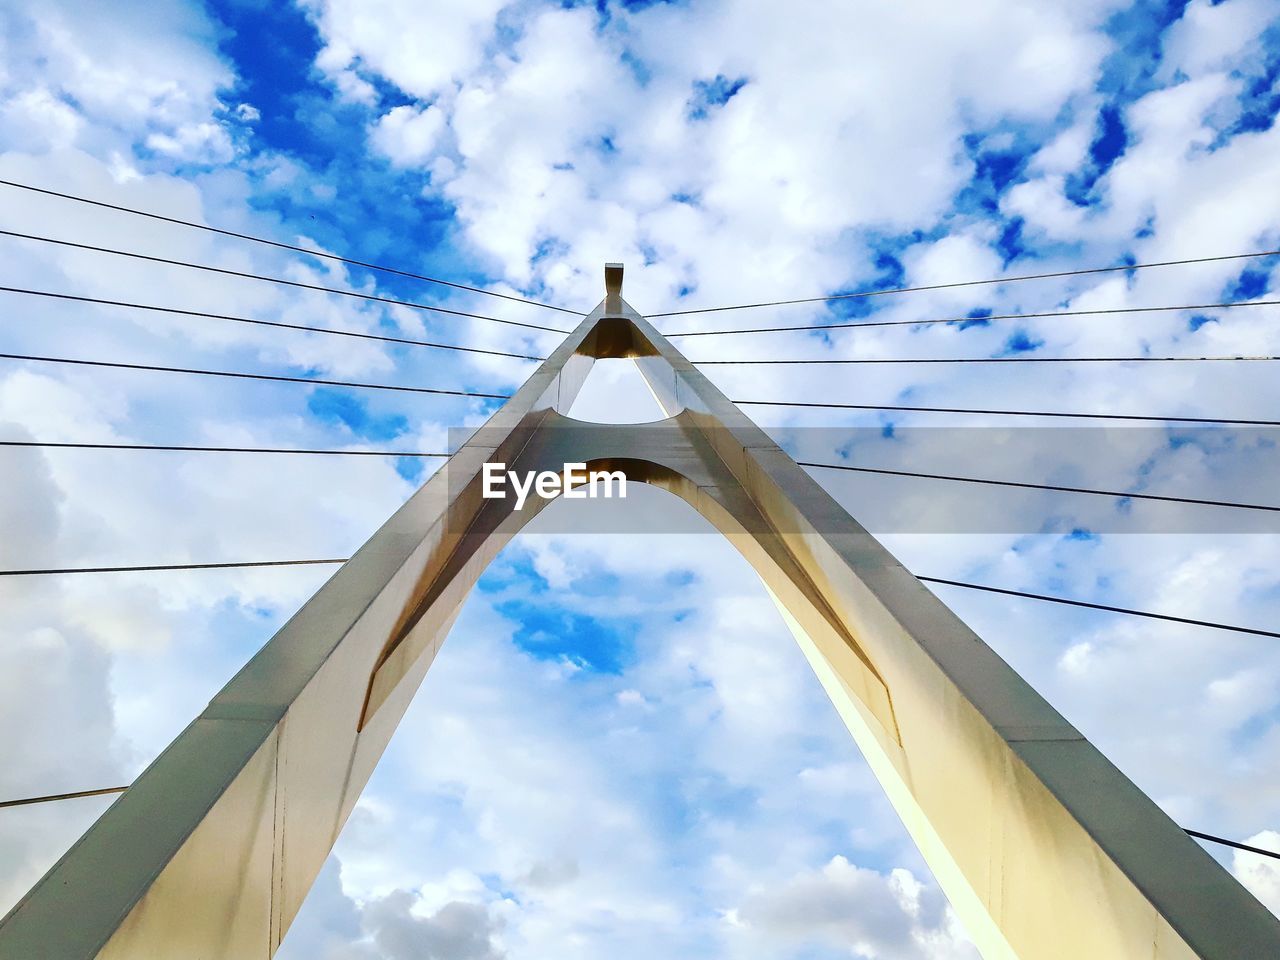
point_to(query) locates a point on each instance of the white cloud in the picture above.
(814, 143)
(1261, 875)
(38, 119)
(1066, 152)
(845, 905)
(89, 56)
(199, 142)
(1043, 204)
(1213, 36)
(408, 136)
(457, 931)
(419, 50)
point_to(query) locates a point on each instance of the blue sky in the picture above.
(589, 770)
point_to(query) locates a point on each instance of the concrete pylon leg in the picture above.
(1043, 847)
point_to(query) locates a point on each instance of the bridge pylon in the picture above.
(1046, 851)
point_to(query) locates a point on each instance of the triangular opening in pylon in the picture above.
(615, 392)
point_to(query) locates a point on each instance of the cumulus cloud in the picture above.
(37, 117)
(582, 135)
(457, 931)
(200, 142)
(382, 39)
(1260, 874)
(407, 135)
(88, 57)
(848, 906)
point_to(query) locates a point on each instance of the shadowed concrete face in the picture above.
(1043, 847)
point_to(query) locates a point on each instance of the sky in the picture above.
(619, 751)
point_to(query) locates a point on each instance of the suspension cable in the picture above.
(255, 376)
(978, 320)
(266, 323)
(148, 568)
(1005, 413)
(1231, 843)
(62, 796)
(975, 283)
(1041, 486)
(1128, 611)
(280, 280)
(192, 449)
(1027, 359)
(285, 246)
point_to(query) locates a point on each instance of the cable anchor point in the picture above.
(613, 288)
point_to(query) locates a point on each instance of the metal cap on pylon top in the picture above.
(613, 288)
